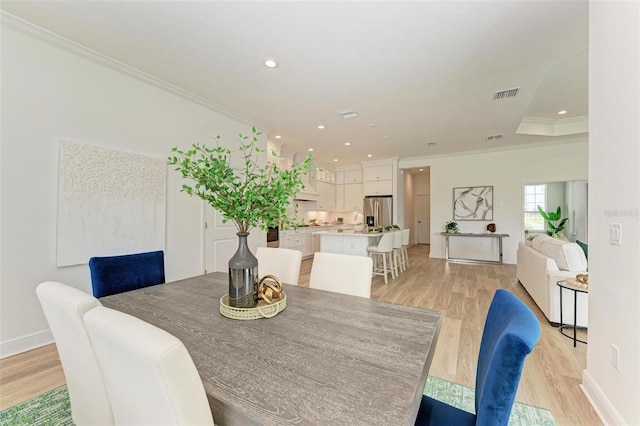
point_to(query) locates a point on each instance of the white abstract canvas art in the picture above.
(473, 203)
(109, 202)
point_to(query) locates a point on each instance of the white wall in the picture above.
(507, 171)
(614, 197)
(49, 93)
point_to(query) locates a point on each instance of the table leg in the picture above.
(575, 316)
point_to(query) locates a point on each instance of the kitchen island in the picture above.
(347, 241)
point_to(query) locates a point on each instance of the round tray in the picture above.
(263, 310)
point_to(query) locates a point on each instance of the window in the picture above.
(534, 196)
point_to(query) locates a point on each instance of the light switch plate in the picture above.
(615, 234)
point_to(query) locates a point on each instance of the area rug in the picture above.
(49, 409)
(53, 408)
(464, 398)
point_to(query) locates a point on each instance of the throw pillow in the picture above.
(584, 248)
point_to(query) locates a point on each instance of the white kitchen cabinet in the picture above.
(340, 197)
(352, 176)
(340, 177)
(375, 173)
(316, 243)
(383, 187)
(353, 195)
(327, 196)
(308, 245)
(301, 239)
(323, 175)
(295, 240)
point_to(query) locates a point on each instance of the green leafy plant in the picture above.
(554, 220)
(252, 196)
(451, 227)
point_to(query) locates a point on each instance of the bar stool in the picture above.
(398, 267)
(384, 250)
(405, 243)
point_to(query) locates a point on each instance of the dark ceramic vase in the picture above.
(243, 275)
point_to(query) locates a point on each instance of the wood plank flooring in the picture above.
(463, 292)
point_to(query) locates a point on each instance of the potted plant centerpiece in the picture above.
(251, 196)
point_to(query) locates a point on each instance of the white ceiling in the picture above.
(416, 72)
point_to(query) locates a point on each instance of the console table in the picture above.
(447, 235)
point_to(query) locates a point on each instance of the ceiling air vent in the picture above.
(508, 93)
(348, 113)
(494, 137)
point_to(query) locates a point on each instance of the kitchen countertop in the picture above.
(348, 232)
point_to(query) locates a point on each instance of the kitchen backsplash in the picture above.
(306, 212)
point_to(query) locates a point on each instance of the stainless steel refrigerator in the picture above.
(378, 211)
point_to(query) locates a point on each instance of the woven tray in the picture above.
(263, 310)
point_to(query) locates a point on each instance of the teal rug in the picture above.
(464, 398)
(53, 408)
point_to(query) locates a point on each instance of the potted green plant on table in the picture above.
(251, 196)
(554, 220)
(451, 227)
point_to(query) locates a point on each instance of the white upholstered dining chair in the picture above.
(150, 377)
(281, 262)
(64, 307)
(342, 273)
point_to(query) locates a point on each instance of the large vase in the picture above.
(243, 275)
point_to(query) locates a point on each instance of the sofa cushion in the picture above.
(584, 247)
(536, 243)
(568, 256)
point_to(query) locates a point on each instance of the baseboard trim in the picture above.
(599, 401)
(25, 343)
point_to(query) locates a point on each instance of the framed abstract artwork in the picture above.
(473, 203)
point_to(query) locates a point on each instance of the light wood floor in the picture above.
(463, 292)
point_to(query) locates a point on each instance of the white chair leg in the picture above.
(384, 268)
(405, 253)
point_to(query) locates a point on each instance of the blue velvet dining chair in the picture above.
(117, 274)
(510, 333)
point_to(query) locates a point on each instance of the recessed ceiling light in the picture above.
(347, 143)
(310, 149)
(562, 112)
(270, 63)
(335, 159)
(278, 137)
(369, 155)
(321, 127)
(422, 170)
(372, 125)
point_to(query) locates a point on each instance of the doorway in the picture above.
(423, 218)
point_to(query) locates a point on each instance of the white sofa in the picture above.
(542, 262)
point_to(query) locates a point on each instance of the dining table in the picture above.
(327, 358)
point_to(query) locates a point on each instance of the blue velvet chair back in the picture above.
(511, 331)
(117, 274)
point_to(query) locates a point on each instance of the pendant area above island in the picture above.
(347, 241)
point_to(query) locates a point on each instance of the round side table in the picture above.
(562, 286)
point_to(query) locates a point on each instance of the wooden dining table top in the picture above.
(328, 358)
